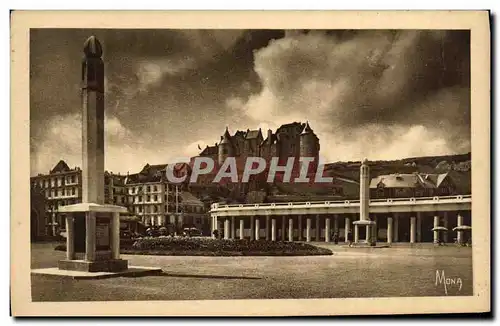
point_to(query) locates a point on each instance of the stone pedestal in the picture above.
(366, 223)
(93, 238)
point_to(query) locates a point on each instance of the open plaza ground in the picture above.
(348, 273)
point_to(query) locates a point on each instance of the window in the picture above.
(148, 198)
(123, 200)
(60, 192)
(115, 199)
(155, 209)
(46, 183)
(155, 198)
(155, 188)
(52, 182)
(148, 189)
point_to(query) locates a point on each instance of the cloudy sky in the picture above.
(376, 94)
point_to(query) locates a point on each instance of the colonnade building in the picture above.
(368, 221)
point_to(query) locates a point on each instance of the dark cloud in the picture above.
(167, 89)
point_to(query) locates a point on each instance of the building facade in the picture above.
(61, 186)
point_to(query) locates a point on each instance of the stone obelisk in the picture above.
(93, 122)
(93, 227)
(364, 204)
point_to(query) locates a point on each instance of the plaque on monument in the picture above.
(103, 230)
(79, 233)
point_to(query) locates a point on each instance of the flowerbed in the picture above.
(174, 246)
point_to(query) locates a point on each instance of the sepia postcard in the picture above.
(245, 163)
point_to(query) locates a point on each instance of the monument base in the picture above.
(111, 265)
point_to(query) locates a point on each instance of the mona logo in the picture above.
(447, 282)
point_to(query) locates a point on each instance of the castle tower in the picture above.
(92, 122)
(309, 142)
(225, 148)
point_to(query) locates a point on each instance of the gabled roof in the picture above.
(60, 167)
(412, 180)
(210, 150)
(253, 134)
(307, 129)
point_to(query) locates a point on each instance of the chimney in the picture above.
(269, 134)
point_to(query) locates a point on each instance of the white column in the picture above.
(273, 229)
(290, 229)
(436, 233)
(308, 230)
(460, 221)
(90, 236)
(347, 228)
(115, 238)
(375, 229)
(356, 233)
(327, 229)
(299, 217)
(54, 227)
(226, 228)
(389, 230)
(233, 227)
(257, 228)
(317, 229)
(412, 229)
(419, 227)
(242, 229)
(368, 234)
(283, 228)
(396, 228)
(267, 227)
(252, 227)
(70, 237)
(445, 224)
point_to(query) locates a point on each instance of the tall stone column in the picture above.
(375, 229)
(327, 229)
(267, 227)
(460, 222)
(436, 233)
(90, 245)
(445, 224)
(347, 228)
(283, 228)
(318, 228)
(368, 234)
(227, 228)
(413, 223)
(70, 237)
(290, 229)
(93, 123)
(115, 236)
(396, 228)
(252, 227)
(257, 228)
(233, 227)
(389, 230)
(273, 229)
(299, 218)
(419, 227)
(308, 229)
(356, 233)
(242, 229)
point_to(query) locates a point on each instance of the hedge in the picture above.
(180, 246)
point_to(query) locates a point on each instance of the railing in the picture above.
(466, 198)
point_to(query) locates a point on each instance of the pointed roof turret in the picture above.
(226, 139)
(307, 129)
